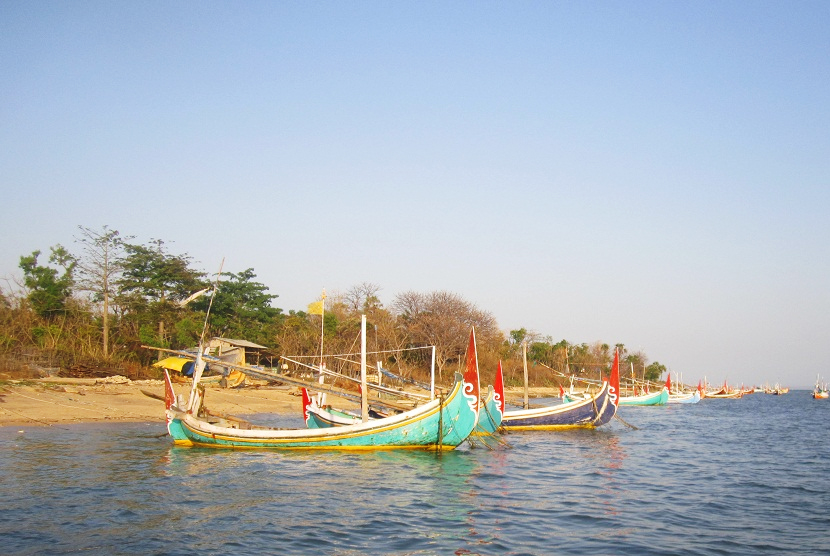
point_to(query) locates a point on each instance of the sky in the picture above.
(655, 174)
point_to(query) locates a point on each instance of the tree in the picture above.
(49, 292)
(156, 275)
(362, 297)
(654, 371)
(99, 268)
(242, 307)
(444, 319)
(154, 286)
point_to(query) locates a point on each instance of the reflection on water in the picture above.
(709, 472)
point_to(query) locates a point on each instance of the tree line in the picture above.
(91, 311)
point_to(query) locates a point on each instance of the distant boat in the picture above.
(655, 398)
(685, 397)
(725, 393)
(820, 392)
(682, 397)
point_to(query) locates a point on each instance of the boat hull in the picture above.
(441, 424)
(490, 417)
(589, 413)
(657, 398)
(684, 398)
(723, 395)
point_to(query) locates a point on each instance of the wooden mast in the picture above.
(364, 387)
(524, 361)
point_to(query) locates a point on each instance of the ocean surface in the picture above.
(746, 476)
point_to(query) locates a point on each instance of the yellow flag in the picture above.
(315, 308)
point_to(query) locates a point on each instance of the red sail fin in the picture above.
(471, 372)
(306, 403)
(169, 394)
(614, 384)
(499, 388)
(668, 383)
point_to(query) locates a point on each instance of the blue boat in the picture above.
(591, 412)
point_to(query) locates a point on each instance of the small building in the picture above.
(238, 352)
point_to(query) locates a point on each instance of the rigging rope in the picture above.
(617, 415)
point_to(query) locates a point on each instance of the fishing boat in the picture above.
(492, 413)
(660, 397)
(489, 419)
(442, 424)
(820, 392)
(654, 398)
(780, 390)
(681, 397)
(316, 417)
(725, 393)
(595, 411)
(684, 397)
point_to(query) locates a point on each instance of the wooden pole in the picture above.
(364, 387)
(524, 360)
(432, 376)
(322, 323)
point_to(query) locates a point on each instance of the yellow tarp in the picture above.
(172, 363)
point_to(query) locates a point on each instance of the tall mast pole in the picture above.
(364, 387)
(524, 360)
(432, 376)
(321, 396)
(322, 326)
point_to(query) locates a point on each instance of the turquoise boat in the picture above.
(489, 419)
(656, 398)
(442, 424)
(492, 412)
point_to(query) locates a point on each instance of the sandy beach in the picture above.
(116, 399)
(51, 401)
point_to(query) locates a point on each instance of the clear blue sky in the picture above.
(655, 174)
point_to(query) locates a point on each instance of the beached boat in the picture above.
(592, 412)
(443, 423)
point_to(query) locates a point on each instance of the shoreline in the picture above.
(54, 401)
(59, 401)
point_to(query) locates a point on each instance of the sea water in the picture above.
(747, 476)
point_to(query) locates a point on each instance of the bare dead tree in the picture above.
(362, 297)
(444, 319)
